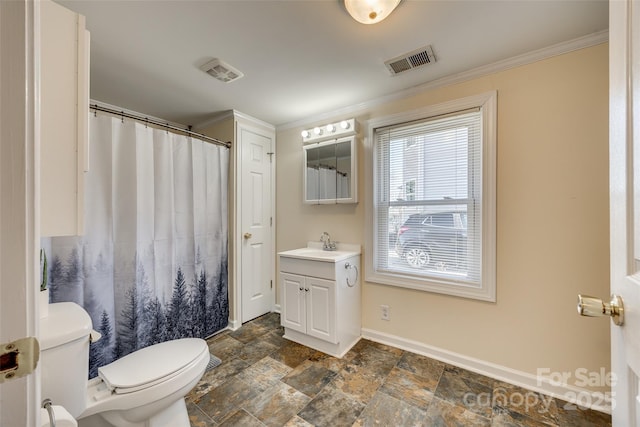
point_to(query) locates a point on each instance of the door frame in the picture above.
(19, 197)
(247, 122)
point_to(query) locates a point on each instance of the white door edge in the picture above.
(624, 140)
(19, 206)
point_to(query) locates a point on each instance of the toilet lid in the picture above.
(151, 365)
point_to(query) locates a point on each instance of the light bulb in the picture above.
(317, 131)
(344, 124)
(305, 134)
(331, 128)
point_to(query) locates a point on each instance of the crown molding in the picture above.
(233, 114)
(253, 120)
(513, 62)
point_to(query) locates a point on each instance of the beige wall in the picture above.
(552, 221)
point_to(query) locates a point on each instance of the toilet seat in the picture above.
(151, 365)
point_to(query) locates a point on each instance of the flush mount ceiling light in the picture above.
(370, 11)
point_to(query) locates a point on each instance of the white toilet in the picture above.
(145, 388)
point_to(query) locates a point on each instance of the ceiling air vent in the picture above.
(413, 59)
(221, 70)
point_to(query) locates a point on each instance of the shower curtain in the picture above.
(152, 265)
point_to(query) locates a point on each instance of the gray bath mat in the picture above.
(213, 362)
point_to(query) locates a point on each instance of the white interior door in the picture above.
(624, 140)
(257, 253)
(19, 398)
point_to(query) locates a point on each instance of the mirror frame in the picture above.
(353, 183)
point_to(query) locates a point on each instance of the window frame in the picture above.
(487, 103)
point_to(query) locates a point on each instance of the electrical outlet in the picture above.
(385, 312)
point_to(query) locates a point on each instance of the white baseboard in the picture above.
(569, 393)
(234, 324)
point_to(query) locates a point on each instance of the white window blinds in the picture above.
(428, 201)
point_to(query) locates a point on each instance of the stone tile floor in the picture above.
(266, 380)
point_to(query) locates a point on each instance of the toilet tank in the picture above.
(64, 357)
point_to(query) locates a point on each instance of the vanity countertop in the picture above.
(314, 252)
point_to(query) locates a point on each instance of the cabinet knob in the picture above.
(306, 289)
(301, 288)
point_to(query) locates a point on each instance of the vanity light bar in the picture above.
(329, 131)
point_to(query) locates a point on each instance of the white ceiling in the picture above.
(302, 58)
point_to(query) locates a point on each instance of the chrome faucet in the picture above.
(327, 245)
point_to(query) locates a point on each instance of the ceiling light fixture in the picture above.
(370, 11)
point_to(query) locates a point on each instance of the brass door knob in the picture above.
(247, 235)
(594, 307)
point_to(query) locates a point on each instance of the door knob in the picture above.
(594, 307)
(247, 235)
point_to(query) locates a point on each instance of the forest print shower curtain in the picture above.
(152, 265)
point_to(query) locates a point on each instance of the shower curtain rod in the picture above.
(154, 122)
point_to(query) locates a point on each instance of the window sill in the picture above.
(433, 285)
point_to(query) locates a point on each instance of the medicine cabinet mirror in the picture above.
(330, 172)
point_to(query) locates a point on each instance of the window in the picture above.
(410, 190)
(433, 210)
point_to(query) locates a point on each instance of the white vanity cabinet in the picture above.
(64, 118)
(320, 298)
(310, 306)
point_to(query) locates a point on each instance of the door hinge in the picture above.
(271, 221)
(270, 156)
(271, 283)
(18, 358)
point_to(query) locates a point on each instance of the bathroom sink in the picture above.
(314, 252)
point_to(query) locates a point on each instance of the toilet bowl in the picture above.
(144, 388)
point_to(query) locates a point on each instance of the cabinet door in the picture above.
(330, 172)
(321, 309)
(293, 302)
(64, 114)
